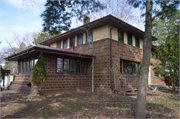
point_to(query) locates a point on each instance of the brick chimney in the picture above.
(86, 20)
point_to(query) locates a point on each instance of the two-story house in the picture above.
(68, 59)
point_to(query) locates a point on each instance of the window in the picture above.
(129, 39)
(129, 67)
(65, 43)
(78, 66)
(90, 37)
(27, 66)
(137, 41)
(120, 36)
(59, 44)
(65, 65)
(72, 41)
(59, 65)
(72, 66)
(83, 67)
(80, 39)
(31, 65)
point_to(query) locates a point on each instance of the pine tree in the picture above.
(39, 74)
(58, 13)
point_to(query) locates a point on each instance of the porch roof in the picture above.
(36, 50)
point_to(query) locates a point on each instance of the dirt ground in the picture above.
(78, 104)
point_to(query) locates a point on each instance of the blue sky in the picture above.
(14, 18)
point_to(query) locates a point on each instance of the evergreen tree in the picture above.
(39, 74)
(2, 73)
(58, 13)
(167, 49)
(43, 36)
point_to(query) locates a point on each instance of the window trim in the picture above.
(69, 66)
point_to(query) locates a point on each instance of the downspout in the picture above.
(111, 53)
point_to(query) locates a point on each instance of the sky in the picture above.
(16, 18)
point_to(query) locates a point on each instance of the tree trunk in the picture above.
(142, 88)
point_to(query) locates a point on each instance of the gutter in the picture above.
(111, 53)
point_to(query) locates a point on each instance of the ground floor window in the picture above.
(27, 66)
(65, 65)
(129, 67)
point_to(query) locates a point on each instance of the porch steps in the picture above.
(22, 87)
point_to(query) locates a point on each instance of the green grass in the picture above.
(172, 103)
(44, 117)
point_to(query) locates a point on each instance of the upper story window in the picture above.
(89, 37)
(65, 65)
(65, 43)
(120, 36)
(27, 66)
(79, 39)
(129, 67)
(129, 39)
(72, 39)
(137, 42)
(59, 44)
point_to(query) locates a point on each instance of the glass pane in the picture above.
(27, 66)
(129, 67)
(24, 67)
(80, 39)
(137, 42)
(90, 37)
(65, 43)
(120, 36)
(129, 39)
(71, 41)
(78, 66)
(19, 67)
(59, 44)
(59, 65)
(31, 65)
(83, 67)
(35, 61)
(72, 66)
(66, 65)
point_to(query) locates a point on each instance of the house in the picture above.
(68, 59)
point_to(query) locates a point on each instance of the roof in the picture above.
(109, 19)
(36, 50)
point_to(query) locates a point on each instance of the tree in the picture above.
(142, 88)
(2, 75)
(42, 37)
(58, 13)
(167, 49)
(122, 10)
(39, 74)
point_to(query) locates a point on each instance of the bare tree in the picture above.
(122, 10)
